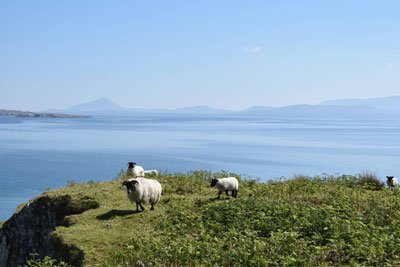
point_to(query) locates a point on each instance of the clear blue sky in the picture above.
(228, 54)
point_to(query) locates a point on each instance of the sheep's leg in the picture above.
(219, 194)
(235, 196)
(152, 207)
(226, 192)
(137, 206)
(141, 206)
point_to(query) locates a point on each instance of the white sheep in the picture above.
(135, 170)
(391, 181)
(155, 173)
(225, 185)
(143, 190)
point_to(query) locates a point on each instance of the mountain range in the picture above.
(106, 106)
(386, 106)
(390, 102)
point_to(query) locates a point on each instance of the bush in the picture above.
(35, 261)
(369, 181)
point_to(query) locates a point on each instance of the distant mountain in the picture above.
(321, 112)
(101, 104)
(106, 106)
(390, 102)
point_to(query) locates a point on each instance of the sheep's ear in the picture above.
(124, 183)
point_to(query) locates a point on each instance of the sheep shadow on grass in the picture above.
(114, 213)
(222, 198)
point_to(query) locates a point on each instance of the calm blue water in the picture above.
(37, 153)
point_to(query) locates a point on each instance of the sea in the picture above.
(37, 154)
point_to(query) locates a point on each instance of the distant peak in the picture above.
(99, 104)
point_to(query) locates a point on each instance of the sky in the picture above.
(168, 54)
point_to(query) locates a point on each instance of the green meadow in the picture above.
(326, 220)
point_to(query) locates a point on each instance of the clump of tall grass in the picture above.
(370, 181)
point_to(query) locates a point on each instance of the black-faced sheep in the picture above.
(143, 190)
(135, 170)
(225, 185)
(391, 181)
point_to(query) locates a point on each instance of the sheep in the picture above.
(391, 181)
(225, 185)
(135, 170)
(155, 173)
(143, 190)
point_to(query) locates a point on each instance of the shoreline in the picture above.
(31, 114)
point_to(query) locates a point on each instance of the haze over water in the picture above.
(37, 153)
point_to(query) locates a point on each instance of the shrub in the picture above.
(368, 180)
(35, 261)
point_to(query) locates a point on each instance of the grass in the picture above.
(319, 221)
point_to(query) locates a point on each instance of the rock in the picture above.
(29, 230)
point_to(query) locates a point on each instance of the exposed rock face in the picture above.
(29, 230)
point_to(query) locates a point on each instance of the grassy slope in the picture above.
(320, 221)
(104, 231)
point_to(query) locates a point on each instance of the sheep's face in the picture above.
(130, 185)
(214, 182)
(389, 178)
(131, 165)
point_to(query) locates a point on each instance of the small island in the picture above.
(31, 114)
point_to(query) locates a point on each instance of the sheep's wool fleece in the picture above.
(152, 172)
(230, 183)
(137, 171)
(148, 191)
